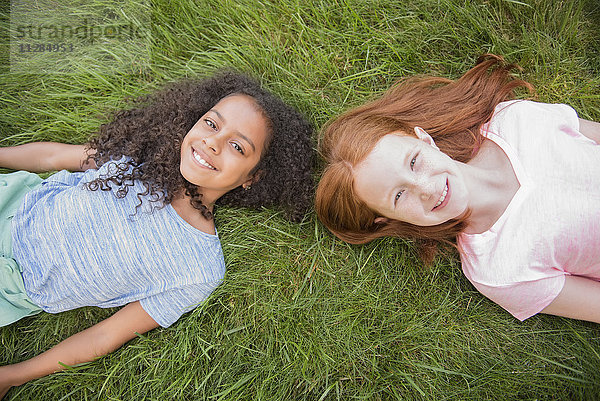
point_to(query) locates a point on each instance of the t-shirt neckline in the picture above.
(517, 198)
(171, 210)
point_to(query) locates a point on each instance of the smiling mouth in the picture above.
(442, 197)
(203, 162)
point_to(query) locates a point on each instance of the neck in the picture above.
(181, 204)
(492, 184)
(210, 197)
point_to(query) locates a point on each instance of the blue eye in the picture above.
(412, 162)
(398, 195)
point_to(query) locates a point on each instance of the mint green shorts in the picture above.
(14, 303)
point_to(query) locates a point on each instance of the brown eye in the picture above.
(210, 123)
(237, 147)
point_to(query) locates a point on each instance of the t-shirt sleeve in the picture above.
(166, 307)
(64, 178)
(524, 299)
(567, 114)
(517, 117)
(561, 116)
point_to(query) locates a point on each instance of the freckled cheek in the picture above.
(411, 210)
(429, 165)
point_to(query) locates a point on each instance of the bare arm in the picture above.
(84, 346)
(591, 129)
(579, 299)
(39, 157)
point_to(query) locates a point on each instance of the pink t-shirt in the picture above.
(551, 228)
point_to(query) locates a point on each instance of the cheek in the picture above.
(432, 164)
(185, 140)
(413, 211)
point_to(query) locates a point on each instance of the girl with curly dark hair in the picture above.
(133, 225)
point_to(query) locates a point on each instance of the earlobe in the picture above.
(425, 137)
(253, 179)
(381, 220)
(248, 183)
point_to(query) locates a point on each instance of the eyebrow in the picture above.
(408, 155)
(406, 162)
(244, 137)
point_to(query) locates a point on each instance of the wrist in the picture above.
(12, 375)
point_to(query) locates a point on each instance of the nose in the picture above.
(212, 143)
(426, 194)
(424, 186)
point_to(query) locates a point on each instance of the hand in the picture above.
(3, 390)
(85, 346)
(5, 380)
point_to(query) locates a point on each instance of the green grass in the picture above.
(301, 315)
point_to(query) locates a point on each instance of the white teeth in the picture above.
(202, 161)
(442, 197)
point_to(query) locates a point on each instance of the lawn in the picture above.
(301, 315)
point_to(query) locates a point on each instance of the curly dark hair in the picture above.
(151, 135)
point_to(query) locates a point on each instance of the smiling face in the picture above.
(408, 179)
(221, 150)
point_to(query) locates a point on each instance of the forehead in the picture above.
(373, 177)
(242, 114)
(387, 150)
(395, 140)
(239, 102)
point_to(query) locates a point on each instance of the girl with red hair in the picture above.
(514, 184)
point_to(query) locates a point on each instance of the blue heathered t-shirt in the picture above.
(78, 247)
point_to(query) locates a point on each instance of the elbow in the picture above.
(104, 342)
(61, 156)
(51, 159)
(49, 163)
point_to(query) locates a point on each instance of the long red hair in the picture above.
(452, 112)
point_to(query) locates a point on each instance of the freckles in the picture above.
(426, 162)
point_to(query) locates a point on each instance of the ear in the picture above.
(381, 220)
(254, 178)
(425, 137)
